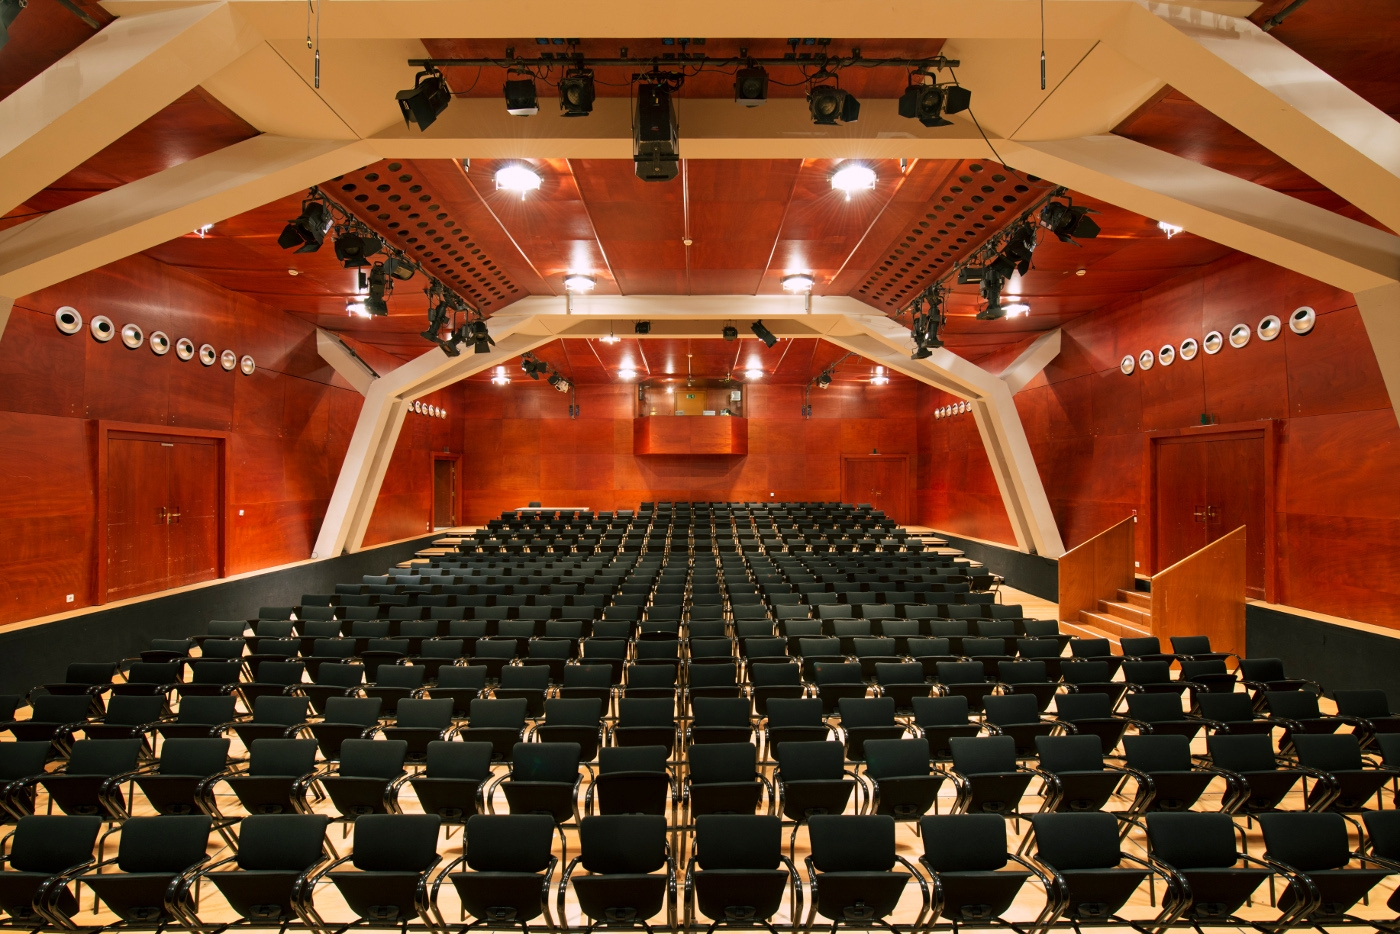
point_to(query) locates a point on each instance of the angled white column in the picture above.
(345, 361)
(844, 321)
(106, 86)
(1031, 361)
(1380, 312)
(126, 220)
(1266, 90)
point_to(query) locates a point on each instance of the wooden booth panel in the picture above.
(690, 435)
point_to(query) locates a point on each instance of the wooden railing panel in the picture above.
(1203, 595)
(1097, 569)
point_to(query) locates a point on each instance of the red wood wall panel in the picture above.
(1337, 508)
(291, 423)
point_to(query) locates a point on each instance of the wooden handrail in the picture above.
(1097, 569)
(1203, 595)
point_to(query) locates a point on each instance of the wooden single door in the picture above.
(444, 493)
(1207, 488)
(163, 515)
(878, 480)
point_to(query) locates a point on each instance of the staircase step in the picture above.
(1114, 626)
(1136, 598)
(1132, 615)
(1082, 630)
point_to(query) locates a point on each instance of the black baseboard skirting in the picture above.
(1031, 573)
(40, 654)
(1337, 657)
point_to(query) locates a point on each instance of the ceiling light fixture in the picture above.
(501, 379)
(533, 366)
(853, 177)
(798, 282)
(1171, 230)
(521, 100)
(578, 282)
(627, 374)
(1066, 221)
(753, 374)
(357, 310)
(763, 334)
(353, 249)
(750, 86)
(1016, 309)
(481, 339)
(730, 333)
(824, 380)
(517, 177)
(426, 100)
(307, 231)
(558, 381)
(928, 103)
(381, 287)
(879, 378)
(829, 105)
(576, 93)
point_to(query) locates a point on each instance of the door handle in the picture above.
(161, 516)
(175, 516)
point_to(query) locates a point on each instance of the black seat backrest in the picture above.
(49, 844)
(363, 711)
(508, 713)
(580, 711)
(1193, 840)
(1151, 672)
(281, 842)
(716, 763)
(961, 673)
(769, 674)
(1085, 672)
(1005, 710)
(1367, 704)
(462, 676)
(1226, 708)
(367, 758)
(336, 674)
(1158, 753)
(509, 842)
(395, 842)
(166, 844)
(545, 762)
(1328, 752)
(1191, 645)
(103, 756)
(650, 712)
(201, 757)
(613, 759)
(1038, 648)
(896, 758)
(1155, 708)
(424, 713)
(534, 677)
(97, 672)
(1293, 705)
(811, 761)
(1089, 648)
(982, 755)
(282, 757)
(630, 844)
(1247, 752)
(207, 710)
(134, 709)
(284, 710)
(866, 711)
(1070, 753)
(752, 842)
(940, 711)
(21, 760)
(1262, 669)
(1140, 645)
(794, 711)
(974, 648)
(1306, 841)
(837, 672)
(964, 842)
(459, 760)
(1084, 840)
(852, 843)
(1086, 706)
(720, 711)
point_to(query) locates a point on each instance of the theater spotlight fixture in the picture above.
(9, 9)
(750, 86)
(429, 97)
(517, 178)
(1066, 221)
(521, 100)
(763, 334)
(798, 283)
(353, 249)
(824, 381)
(578, 282)
(656, 152)
(928, 103)
(558, 381)
(576, 93)
(853, 177)
(308, 230)
(380, 288)
(641, 327)
(990, 288)
(829, 105)
(1015, 309)
(481, 339)
(730, 333)
(533, 367)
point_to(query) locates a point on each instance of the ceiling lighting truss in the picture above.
(449, 314)
(822, 381)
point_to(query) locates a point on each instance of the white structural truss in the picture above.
(843, 321)
(1105, 59)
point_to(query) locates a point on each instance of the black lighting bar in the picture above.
(827, 63)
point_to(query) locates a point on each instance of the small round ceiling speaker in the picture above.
(1302, 320)
(160, 343)
(1189, 347)
(1214, 341)
(247, 365)
(228, 360)
(102, 328)
(1127, 365)
(68, 320)
(1239, 336)
(207, 354)
(1269, 328)
(133, 336)
(1146, 359)
(184, 348)
(1166, 355)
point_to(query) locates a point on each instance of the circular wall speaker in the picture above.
(207, 354)
(1146, 359)
(228, 359)
(1270, 328)
(247, 365)
(1166, 355)
(1189, 347)
(1127, 365)
(442, 413)
(1302, 320)
(133, 336)
(102, 328)
(184, 348)
(68, 320)
(160, 343)
(1214, 341)
(1239, 336)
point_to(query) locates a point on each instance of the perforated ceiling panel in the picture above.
(976, 202)
(391, 200)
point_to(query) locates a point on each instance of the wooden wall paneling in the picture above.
(1203, 594)
(41, 368)
(1332, 369)
(1097, 569)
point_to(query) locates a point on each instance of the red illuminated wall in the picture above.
(1337, 505)
(290, 423)
(522, 446)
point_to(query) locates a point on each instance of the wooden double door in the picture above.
(880, 480)
(163, 513)
(1206, 487)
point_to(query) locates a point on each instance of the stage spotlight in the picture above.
(730, 333)
(923, 102)
(991, 291)
(9, 9)
(481, 339)
(1014, 309)
(521, 100)
(829, 105)
(399, 268)
(763, 334)
(824, 381)
(532, 367)
(968, 275)
(438, 315)
(956, 99)
(655, 135)
(1019, 248)
(641, 327)
(853, 177)
(380, 288)
(429, 97)
(517, 177)
(354, 249)
(576, 93)
(798, 283)
(1066, 221)
(558, 381)
(751, 86)
(308, 230)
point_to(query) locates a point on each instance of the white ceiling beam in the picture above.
(345, 361)
(1031, 361)
(1269, 92)
(108, 85)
